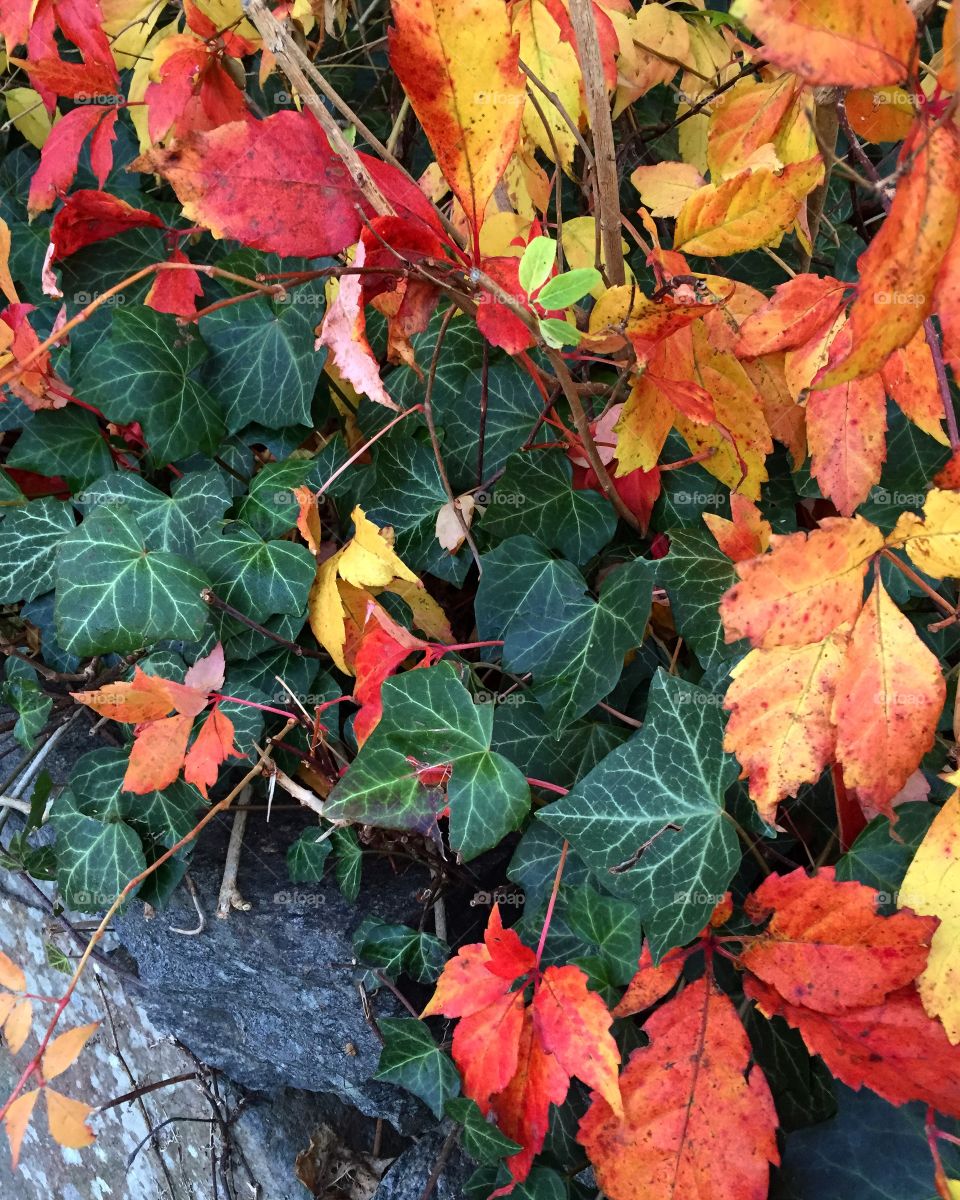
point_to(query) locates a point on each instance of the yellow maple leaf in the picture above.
(932, 540)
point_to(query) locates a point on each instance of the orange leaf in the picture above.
(899, 269)
(459, 68)
(780, 725)
(485, 1047)
(806, 587)
(67, 1120)
(16, 1028)
(847, 435)
(890, 694)
(798, 310)
(212, 745)
(157, 754)
(911, 381)
(11, 976)
(745, 119)
(308, 518)
(383, 647)
(573, 1024)
(698, 1121)
(947, 302)
(882, 114)
(65, 1049)
(651, 983)
(146, 698)
(746, 536)
(825, 946)
(509, 957)
(893, 1048)
(16, 1120)
(856, 43)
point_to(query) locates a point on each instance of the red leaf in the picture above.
(276, 185)
(826, 948)
(58, 158)
(486, 1045)
(175, 291)
(193, 94)
(798, 310)
(509, 957)
(651, 983)
(89, 216)
(213, 744)
(495, 321)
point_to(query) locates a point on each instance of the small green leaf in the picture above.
(482, 1140)
(348, 864)
(411, 1059)
(536, 263)
(307, 856)
(557, 333)
(566, 289)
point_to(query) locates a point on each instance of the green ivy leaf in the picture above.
(31, 536)
(115, 594)
(429, 717)
(400, 950)
(270, 507)
(482, 1140)
(696, 574)
(146, 371)
(32, 705)
(524, 733)
(348, 864)
(411, 1059)
(536, 497)
(649, 819)
(307, 856)
(66, 443)
(175, 522)
(612, 925)
(95, 859)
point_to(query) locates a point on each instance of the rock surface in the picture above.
(269, 996)
(409, 1175)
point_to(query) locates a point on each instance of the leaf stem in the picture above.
(551, 904)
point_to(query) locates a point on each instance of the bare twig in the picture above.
(230, 897)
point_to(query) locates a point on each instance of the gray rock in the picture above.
(408, 1176)
(269, 996)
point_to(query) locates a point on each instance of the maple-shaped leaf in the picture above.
(893, 1047)
(797, 311)
(854, 43)
(932, 886)
(61, 150)
(804, 588)
(277, 185)
(751, 209)
(516, 1060)
(780, 728)
(89, 216)
(846, 433)
(826, 948)
(890, 693)
(459, 68)
(698, 1119)
(160, 743)
(933, 539)
(900, 267)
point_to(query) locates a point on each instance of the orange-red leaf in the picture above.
(825, 946)
(651, 983)
(485, 1047)
(804, 588)
(698, 1120)
(145, 698)
(899, 269)
(573, 1024)
(58, 159)
(856, 43)
(746, 536)
(847, 436)
(798, 310)
(212, 745)
(89, 216)
(890, 693)
(458, 66)
(911, 381)
(893, 1047)
(157, 754)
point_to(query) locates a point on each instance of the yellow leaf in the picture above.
(140, 80)
(579, 241)
(427, 614)
(657, 46)
(368, 559)
(746, 118)
(458, 66)
(500, 231)
(228, 14)
(67, 1120)
(65, 1049)
(931, 887)
(932, 540)
(644, 424)
(750, 210)
(6, 281)
(325, 610)
(665, 187)
(554, 62)
(780, 727)
(16, 1121)
(29, 114)
(129, 25)
(713, 64)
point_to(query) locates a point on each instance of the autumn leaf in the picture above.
(805, 587)
(651, 982)
(67, 1119)
(883, 114)
(933, 539)
(17, 1119)
(826, 948)
(383, 647)
(89, 216)
(780, 728)
(459, 69)
(846, 434)
(65, 1049)
(796, 312)
(665, 187)
(698, 1120)
(853, 43)
(746, 535)
(910, 377)
(212, 746)
(61, 150)
(889, 695)
(745, 119)
(900, 267)
(930, 886)
(749, 210)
